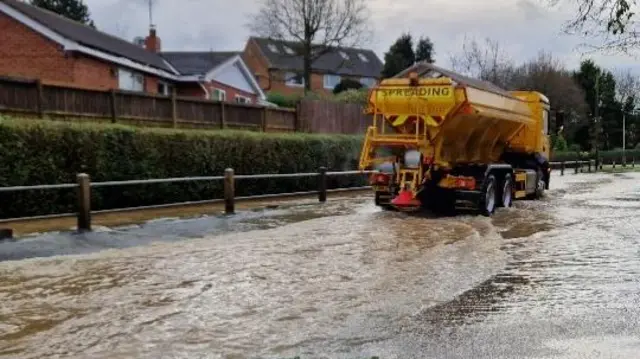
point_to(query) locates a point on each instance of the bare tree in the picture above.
(317, 26)
(544, 74)
(627, 85)
(487, 62)
(611, 23)
(548, 76)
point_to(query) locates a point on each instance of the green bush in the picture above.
(353, 96)
(346, 84)
(607, 156)
(43, 152)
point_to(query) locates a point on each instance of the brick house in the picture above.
(37, 43)
(277, 68)
(222, 76)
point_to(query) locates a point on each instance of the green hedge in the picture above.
(46, 152)
(606, 156)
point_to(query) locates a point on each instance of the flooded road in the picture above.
(556, 278)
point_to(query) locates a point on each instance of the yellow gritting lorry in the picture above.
(440, 140)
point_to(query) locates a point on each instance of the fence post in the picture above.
(84, 202)
(296, 123)
(6, 233)
(229, 191)
(174, 109)
(114, 111)
(562, 165)
(264, 119)
(577, 164)
(633, 162)
(222, 116)
(322, 184)
(589, 166)
(614, 164)
(40, 98)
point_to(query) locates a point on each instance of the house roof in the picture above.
(357, 62)
(207, 66)
(88, 36)
(195, 63)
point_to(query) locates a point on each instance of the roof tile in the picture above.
(194, 62)
(342, 61)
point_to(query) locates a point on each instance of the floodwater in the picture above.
(556, 278)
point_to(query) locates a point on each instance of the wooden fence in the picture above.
(28, 97)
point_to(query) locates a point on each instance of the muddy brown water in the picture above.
(551, 278)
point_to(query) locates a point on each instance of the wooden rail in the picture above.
(84, 185)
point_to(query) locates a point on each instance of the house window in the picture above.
(367, 81)
(218, 95)
(363, 57)
(273, 48)
(330, 81)
(164, 88)
(293, 79)
(242, 99)
(130, 81)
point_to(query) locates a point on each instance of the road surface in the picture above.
(557, 278)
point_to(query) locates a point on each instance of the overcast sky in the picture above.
(522, 27)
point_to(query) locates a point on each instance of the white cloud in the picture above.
(522, 27)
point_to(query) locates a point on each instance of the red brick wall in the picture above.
(257, 64)
(26, 53)
(190, 89)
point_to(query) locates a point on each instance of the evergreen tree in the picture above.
(399, 57)
(424, 50)
(402, 55)
(75, 10)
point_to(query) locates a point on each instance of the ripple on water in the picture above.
(328, 284)
(258, 291)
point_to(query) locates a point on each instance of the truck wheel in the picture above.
(540, 185)
(487, 203)
(507, 191)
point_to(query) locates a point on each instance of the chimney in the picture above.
(152, 42)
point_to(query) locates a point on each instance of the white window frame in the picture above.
(368, 81)
(217, 94)
(167, 88)
(328, 78)
(289, 75)
(242, 99)
(130, 80)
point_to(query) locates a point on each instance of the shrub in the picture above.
(346, 84)
(43, 152)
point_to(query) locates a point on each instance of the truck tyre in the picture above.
(487, 202)
(506, 192)
(540, 185)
